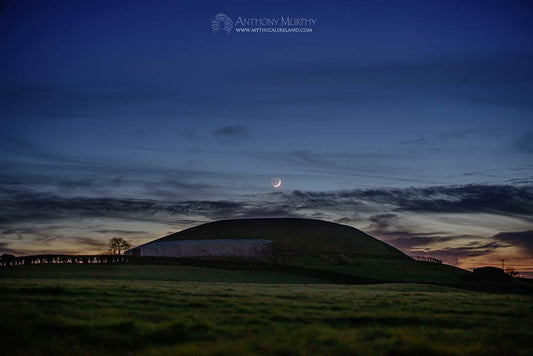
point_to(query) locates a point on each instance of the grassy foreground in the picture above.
(81, 312)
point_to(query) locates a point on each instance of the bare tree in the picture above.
(117, 245)
(511, 272)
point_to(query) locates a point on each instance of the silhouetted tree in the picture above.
(511, 272)
(7, 259)
(117, 245)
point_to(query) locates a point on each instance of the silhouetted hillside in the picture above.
(295, 236)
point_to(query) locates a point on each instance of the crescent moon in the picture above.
(276, 182)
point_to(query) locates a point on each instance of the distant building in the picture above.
(490, 274)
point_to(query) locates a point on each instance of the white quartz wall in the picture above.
(208, 248)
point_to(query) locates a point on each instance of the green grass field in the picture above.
(123, 272)
(390, 270)
(157, 310)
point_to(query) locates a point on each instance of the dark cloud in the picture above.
(89, 241)
(121, 232)
(231, 132)
(523, 239)
(473, 250)
(406, 240)
(435, 244)
(43, 235)
(528, 181)
(267, 212)
(383, 221)
(447, 138)
(416, 241)
(494, 199)
(23, 205)
(312, 200)
(429, 246)
(418, 142)
(172, 188)
(4, 248)
(86, 184)
(497, 199)
(28, 205)
(42, 239)
(18, 231)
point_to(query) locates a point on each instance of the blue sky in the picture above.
(411, 120)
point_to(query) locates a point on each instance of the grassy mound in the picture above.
(307, 241)
(295, 236)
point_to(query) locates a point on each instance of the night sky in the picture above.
(409, 120)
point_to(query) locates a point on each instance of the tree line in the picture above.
(116, 247)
